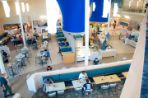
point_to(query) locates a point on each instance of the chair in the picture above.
(60, 92)
(104, 89)
(51, 94)
(78, 89)
(88, 91)
(113, 87)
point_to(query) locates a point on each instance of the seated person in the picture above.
(28, 40)
(36, 35)
(4, 56)
(87, 87)
(96, 61)
(47, 81)
(45, 44)
(14, 40)
(46, 53)
(83, 76)
(131, 37)
(49, 68)
(34, 41)
(103, 44)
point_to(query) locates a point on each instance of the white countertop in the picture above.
(55, 87)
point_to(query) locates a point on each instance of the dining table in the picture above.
(60, 86)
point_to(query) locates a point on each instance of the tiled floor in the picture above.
(19, 83)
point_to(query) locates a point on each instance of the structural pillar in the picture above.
(21, 23)
(87, 11)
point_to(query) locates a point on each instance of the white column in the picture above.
(2, 67)
(109, 15)
(87, 11)
(21, 23)
(32, 24)
(52, 11)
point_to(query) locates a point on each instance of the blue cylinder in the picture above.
(96, 15)
(73, 13)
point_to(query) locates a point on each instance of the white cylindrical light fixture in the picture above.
(27, 7)
(17, 8)
(23, 7)
(6, 8)
(115, 11)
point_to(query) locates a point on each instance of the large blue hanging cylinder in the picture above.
(97, 14)
(73, 13)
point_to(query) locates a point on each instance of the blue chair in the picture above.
(65, 49)
(61, 44)
(61, 39)
(60, 35)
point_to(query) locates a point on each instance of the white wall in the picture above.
(35, 80)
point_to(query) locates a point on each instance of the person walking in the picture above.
(6, 88)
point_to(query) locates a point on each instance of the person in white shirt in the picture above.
(83, 76)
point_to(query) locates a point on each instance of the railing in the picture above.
(132, 86)
(35, 80)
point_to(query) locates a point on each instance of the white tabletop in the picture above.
(77, 84)
(55, 87)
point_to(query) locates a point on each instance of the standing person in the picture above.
(114, 24)
(6, 87)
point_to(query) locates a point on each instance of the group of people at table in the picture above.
(44, 55)
(82, 84)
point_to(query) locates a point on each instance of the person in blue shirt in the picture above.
(46, 54)
(87, 87)
(6, 88)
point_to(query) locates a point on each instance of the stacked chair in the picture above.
(62, 43)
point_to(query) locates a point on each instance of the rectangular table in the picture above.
(100, 80)
(125, 74)
(77, 84)
(113, 78)
(55, 87)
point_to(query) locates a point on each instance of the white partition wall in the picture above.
(2, 66)
(35, 80)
